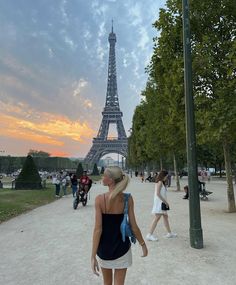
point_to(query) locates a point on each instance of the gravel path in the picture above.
(51, 245)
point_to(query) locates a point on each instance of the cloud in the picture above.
(144, 40)
(79, 86)
(45, 128)
(88, 103)
(99, 9)
(135, 13)
(64, 15)
(70, 43)
(17, 67)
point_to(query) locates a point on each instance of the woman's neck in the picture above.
(111, 188)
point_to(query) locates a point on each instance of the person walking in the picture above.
(159, 203)
(57, 182)
(74, 184)
(109, 251)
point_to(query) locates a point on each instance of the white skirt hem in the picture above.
(122, 262)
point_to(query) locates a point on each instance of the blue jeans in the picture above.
(64, 189)
(74, 189)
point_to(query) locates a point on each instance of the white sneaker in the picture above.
(171, 235)
(151, 237)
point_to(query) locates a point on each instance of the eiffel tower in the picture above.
(111, 114)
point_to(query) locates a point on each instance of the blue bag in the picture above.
(125, 226)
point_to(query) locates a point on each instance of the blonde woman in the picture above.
(160, 197)
(109, 252)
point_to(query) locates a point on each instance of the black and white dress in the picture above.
(112, 252)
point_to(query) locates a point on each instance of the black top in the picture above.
(111, 245)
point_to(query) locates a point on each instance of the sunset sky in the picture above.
(53, 69)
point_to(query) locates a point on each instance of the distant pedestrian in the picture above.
(203, 174)
(208, 175)
(114, 254)
(63, 185)
(186, 192)
(74, 184)
(169, 179)
(57, 180)
(142, 176)
(160, 201)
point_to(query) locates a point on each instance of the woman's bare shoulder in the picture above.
(99, 198)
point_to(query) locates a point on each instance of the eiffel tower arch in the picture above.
(111, 114)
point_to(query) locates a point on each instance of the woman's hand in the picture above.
(94, 266)
(167, 205)
(145, 250)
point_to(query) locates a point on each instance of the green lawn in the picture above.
(15, 202)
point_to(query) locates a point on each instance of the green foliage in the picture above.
(38, 153)
(9, 164)
(29, 177)
(160, 118)
(95, 170)
(79, 170)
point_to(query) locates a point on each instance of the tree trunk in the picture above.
(229, 179)
(235, 173)
(160, 163)
(176, 174)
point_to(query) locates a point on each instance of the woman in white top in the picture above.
(159, 198)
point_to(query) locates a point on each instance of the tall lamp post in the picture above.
(196, 239)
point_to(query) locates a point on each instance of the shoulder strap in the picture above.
(126, 195)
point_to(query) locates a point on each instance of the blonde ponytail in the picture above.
(121, 180)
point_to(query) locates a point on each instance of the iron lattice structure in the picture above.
(111, 114)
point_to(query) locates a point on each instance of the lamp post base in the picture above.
(196, 240)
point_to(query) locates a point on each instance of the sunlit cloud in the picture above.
(88, 103)
(42, 128)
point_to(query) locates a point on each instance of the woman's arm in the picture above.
(135, 227)
(96, 235)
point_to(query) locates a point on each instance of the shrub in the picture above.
(29, 177)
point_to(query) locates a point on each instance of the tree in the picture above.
(29, 177)
(38, 153)
(95, 169)
(214, 50)
(79, 170)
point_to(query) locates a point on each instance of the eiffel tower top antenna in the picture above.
(112, 26)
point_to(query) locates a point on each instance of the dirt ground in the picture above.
(52, 244)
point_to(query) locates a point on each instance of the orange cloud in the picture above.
(42, 128)
(60, 154)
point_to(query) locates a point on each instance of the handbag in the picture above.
(164, 207)
(125, 227)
